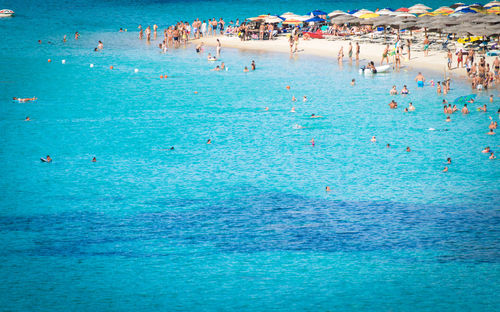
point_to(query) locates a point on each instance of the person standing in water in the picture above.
(420, 79)
(349, 52)
(155, 28)
(357, 51)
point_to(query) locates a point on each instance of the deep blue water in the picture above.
(243, 223)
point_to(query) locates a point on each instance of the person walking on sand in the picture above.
(385, 55)
(340, 56)
(408, 47)
(426, 46)
(291, 43)
(349, 52)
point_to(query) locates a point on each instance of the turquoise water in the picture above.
(243, 223)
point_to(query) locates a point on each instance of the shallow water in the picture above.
(243, 223)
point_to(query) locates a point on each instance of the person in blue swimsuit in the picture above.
(420, 79)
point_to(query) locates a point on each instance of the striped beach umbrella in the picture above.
(456, 5)
(292, 22)
(420, 6)
(369, 15)
(336, 13)
(492, 4)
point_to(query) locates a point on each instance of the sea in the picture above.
(243, 223)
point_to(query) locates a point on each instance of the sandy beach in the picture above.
(434, 63)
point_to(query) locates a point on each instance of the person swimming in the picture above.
(293, 110)
(304, 99)
(373, 139)
(327, 189)
(445, 169)
(24, 99)
(405, 91)
(491, 132)
(217, 68)
(252, 65)
(27, 118)
(209, 141)
(393, 91)
(245, 70)
(94, 159)
(316, 116)
(408, 149)
(47, 159)
(297, 126)
(393, 105)
(492, 156)
(465, 110)
(411, 107)
(353, 82)
(313, 142)
(211, 58)
(448, 119)
(486, 150)
(405, 110)
(388, 145)
(293, 98)
(448, 160)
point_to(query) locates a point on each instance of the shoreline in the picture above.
(434, 63)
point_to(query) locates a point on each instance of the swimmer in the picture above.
(327, 189)
(482, 108)
(121, 29)
(24, 99)
(47, 159)
(405, 91)
(373, 139)
(209, 141)
(393, 91)
(297, 126)
(64, 38)
(96, 50)
(420, 79)
(493, 125)
(316, 116)
(408, 149)
(393, 105)
(27, 118)
(100, 46)
(266, 109)
(245, 70)
(491, 132)
(445, 169)
(491, 98)
(222, 66)
(293, 98)
(312, 142)
(77, 35)
(199, 47)
(492, 156)
(353, 82)
(388, 145)
(448, 119)
(253, 65)
(486, 150)
(172, 148)
(405, 110)
(40, 41)
(293, 110)
(411, 107)
(465, 110)
(304, 99)
(211, 58)
(217, 68)
(94, 159)
(448, 160)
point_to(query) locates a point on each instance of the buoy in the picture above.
(111, 67)
(91, 65)
(161, 76)
(195, 92)
(63, 61)
(165, 76)
(136, 70)
(288, 87)
(49, 60)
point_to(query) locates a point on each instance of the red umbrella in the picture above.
(402, 10)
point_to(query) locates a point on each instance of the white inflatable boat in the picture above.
(6, 13)
(380, 69)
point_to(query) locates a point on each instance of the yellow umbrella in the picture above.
(427, 14)
(292, 22)
(369, 15)
(494, 10)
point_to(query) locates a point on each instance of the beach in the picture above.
(434, 63)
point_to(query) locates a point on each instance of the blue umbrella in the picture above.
(464, 99)
(352, 11)
(317, 12)
(466, 10)
(314, 19)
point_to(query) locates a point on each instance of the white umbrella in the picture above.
(302, 18)
(420, 6)
(418, 11)
(336, 13)
(406, 15)
(384, 12)
(361, 12)
(272, 19)
(288, 14)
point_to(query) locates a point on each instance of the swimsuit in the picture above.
(420, 83)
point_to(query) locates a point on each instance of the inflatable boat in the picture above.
(6, 13)
(380, 69)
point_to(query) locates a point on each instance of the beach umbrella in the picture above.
(466, 10)
(492, 4)
(272, 19)
(464, 99)
(344, 19)
(361, 12)
(287, 15)
(489, 19)
(417, 11)
(292, 22)
(369, 15)
(336, 12)
(317, 13)
(352, 11)
(420, 6)
(314, 19)
(254, 19)
(385, 12)
(494, 10)
(407, 16)
(476, 5)
(456, 5)
(402, 10)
